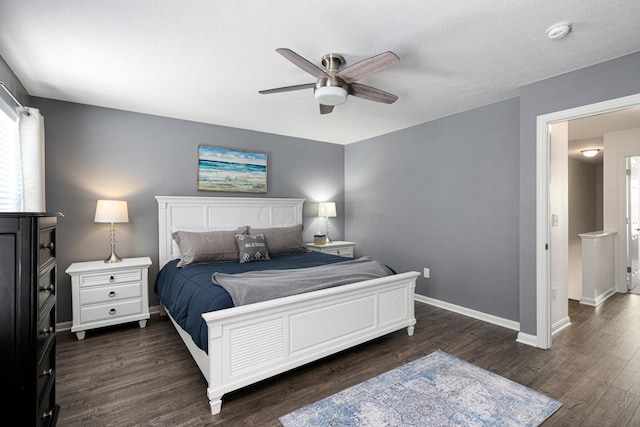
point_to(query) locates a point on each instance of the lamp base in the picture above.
(113, 258)
(326, 233)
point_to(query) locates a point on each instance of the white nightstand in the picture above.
(105, 294)
(341, 248)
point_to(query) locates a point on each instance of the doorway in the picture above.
(543, 220)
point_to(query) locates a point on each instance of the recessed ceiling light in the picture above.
(559, 30)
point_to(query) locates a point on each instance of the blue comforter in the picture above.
(187, 292)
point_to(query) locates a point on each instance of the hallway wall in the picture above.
(583, 189)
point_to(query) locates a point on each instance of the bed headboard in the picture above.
(184, 212)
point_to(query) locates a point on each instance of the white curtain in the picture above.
(31, 131)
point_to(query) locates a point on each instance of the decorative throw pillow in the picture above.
(252, 247)
(208, 246)
(282, 240)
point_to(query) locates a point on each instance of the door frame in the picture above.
(629, 279)
(543, 282)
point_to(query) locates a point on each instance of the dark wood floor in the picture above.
(126, 376)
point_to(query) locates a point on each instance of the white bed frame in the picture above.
(253, 342)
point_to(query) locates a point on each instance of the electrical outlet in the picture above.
(427, 273)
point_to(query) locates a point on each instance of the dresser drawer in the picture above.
(46, 331)
(46, 286)
(48, 410)
(120, 276)
(45, 373)
(106, 294)
(110, 311)
(46, 245)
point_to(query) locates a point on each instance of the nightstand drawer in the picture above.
(110, 311)
(339, 248)
(106, 294)
(345, 252)
(106, 278)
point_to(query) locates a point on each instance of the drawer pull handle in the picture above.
(48, 372)
(112, 279)
(112, 294)
(112, 311)
(49, 288)
(47, 414)
(46, 331)
(49, 245)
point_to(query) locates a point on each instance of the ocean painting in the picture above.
(223, 169)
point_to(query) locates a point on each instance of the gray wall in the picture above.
(94, 153)
(443, 195)
(608, 80)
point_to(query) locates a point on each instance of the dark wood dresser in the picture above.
(28, 281)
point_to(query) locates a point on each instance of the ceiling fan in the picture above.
(334, 84)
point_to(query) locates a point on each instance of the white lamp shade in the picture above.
(111, 211)
(327, 209)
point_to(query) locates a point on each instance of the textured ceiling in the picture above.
(205, 60)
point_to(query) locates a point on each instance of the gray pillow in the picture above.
(252, 247)
(207, 246)
(282, 240)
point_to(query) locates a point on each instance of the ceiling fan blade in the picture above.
(288, 88)
(368, 66)
(302, 63)
(325, 109)
(371, 93)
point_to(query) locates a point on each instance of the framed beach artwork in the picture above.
(224, 169)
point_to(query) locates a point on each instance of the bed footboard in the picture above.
(254, 342)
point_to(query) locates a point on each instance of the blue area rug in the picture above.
(435, 390)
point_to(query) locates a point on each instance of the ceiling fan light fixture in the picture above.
(590, 152)
(334, 83)
(331, 95)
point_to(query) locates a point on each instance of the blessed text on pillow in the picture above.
(252, 247)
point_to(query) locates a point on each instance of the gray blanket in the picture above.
(256, 286)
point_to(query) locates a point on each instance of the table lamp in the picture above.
(327, 210)
(112, 211)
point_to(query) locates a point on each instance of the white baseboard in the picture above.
(560, 325)
(597, 300)
(489, 318)
(527, 339)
